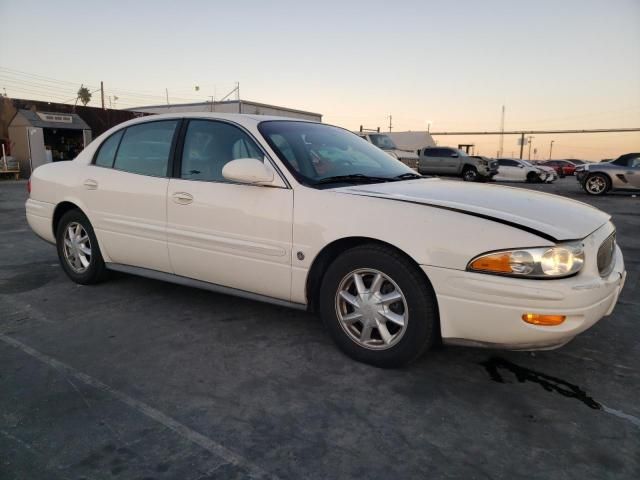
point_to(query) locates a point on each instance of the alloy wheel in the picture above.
(470, 175)
(371, 309)
(77, 247)
(596, 184)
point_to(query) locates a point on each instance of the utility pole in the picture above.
(530, 137)
(166, 91)
(390, 125)
(102, 93)
(211, 97)
(238, 97)
(551, 149)
(502, 132)
(521, 144)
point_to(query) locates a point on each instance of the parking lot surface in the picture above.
(140, 379)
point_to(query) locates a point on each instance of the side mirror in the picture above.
(520, 165)
(248, 170)
(455, 155)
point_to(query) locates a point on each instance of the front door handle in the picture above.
(90, 184)
(182, 198)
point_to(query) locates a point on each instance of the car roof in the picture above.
(240, 118)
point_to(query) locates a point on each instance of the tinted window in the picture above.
(434, 152)
(145, 148)
(628, 160)
(108, 150)
(383, 142)
(507, 163)
(634, 162)
(209, 146)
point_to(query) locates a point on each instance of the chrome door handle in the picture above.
(182, 198)
(90, 184)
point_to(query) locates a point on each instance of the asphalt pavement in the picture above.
(140, 379)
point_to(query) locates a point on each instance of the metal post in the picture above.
(102, 93)
(530, 142)
(550, 149)
(521, 144)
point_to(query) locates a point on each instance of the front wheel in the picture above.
(78, 249)
(470, 174)
(597, 184)
(378, 307)
(533, 177)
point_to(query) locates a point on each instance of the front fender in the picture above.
(428, 235)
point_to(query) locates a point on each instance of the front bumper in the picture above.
(486, 171)
(486, 310)
(581, 175)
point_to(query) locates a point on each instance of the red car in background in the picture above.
(563, 167)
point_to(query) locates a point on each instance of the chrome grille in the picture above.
(606, 254)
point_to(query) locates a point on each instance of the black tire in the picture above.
(96, 271)
(596, 178)
(421, 329)
(470, 174)
(533, 177)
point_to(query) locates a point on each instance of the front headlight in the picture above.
(560, 261)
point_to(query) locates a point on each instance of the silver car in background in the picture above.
(622, 173)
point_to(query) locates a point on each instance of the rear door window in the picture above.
(145, 148)
(107, 151)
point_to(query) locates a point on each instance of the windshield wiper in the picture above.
(407, 176)
(354, 177)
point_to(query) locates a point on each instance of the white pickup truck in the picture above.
(385, 143)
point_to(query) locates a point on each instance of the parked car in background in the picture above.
(516, 170)
(563, 167)
(456, 162)
(393, 262)
(575, 161)
(552, 175)
(622, 173)
(385, 143)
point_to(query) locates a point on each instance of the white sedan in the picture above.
(515, 170)
(310, 216)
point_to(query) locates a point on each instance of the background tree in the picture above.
(84, 95)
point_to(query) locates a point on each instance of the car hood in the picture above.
(549, 216)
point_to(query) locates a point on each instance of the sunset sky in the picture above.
(554, 64)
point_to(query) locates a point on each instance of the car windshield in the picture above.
(382, 141)
(323, 155)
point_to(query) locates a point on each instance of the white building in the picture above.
(411, 141)
(231, 106)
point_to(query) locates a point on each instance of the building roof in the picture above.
(69, 121)
(226, 102)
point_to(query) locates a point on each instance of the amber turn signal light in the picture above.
(499, 263)
(538, 319)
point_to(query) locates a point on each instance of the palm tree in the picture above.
(84, 95)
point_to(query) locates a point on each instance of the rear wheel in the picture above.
(78, 249)
(378, 307)
(597, 184)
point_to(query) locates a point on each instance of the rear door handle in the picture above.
(90, 184)
(182, 198)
